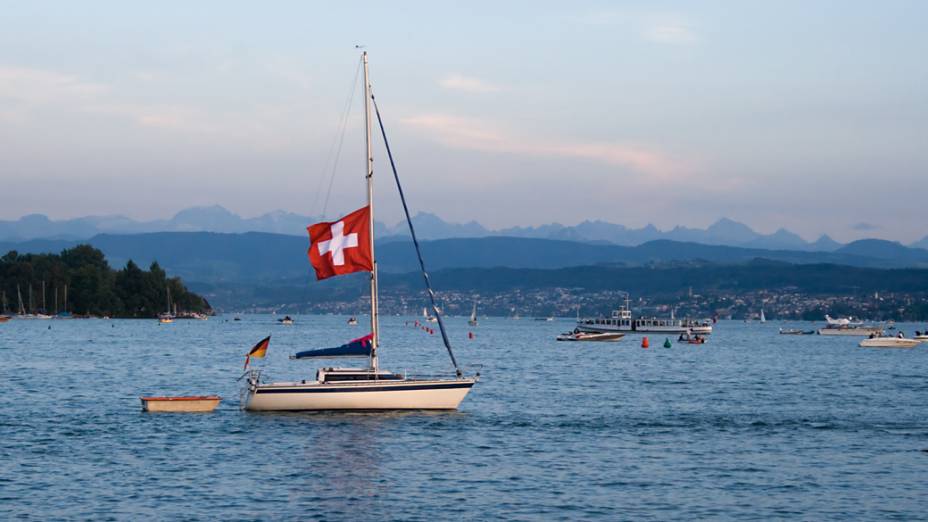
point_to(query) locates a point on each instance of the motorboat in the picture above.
(691, 338)
(334, 253)
(352, 321)
(578, 335)
(848, 326)
(889, 342)
(796, 331)
(863, 331)
(287, 320)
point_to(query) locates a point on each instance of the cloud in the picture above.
(662, 28)
(474, 134)
(44, 97)
(673, 31)
(458, 82)
(865, 227)
(36, 86)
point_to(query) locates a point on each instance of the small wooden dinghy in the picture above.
(194, 403)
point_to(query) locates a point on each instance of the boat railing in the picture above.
(473, 369)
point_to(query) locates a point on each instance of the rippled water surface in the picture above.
(753, 425)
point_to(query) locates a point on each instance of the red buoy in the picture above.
(470, 335)
(644, 342)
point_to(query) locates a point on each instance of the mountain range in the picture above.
(256, 256)
(724, 232)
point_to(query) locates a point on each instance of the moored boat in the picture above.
(888, 342)
(850, 330)
(578, 335)
(622, 321)
(796, 331)
(188, 404)
(347, 246)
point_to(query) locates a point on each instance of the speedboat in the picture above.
(796, 331)
(888, 342)
(691, 338)
(287, 320)
(578, 335)
(352, 321)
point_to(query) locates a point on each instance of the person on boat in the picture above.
(873, 335)
(900, 335)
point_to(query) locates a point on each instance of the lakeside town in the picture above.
(786, 304)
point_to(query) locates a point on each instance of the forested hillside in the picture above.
(80, 281)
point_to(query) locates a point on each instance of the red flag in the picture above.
(343, 246)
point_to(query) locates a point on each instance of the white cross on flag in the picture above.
(343, 246)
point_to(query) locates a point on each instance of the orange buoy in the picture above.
(644, 342)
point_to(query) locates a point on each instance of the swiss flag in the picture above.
(343, 246)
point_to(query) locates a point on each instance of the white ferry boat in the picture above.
(622, 321)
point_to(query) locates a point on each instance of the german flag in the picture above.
(258, 351)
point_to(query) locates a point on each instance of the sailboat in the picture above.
(167, 317)
(427, 316)
(473, 316)
(762, 318)
(3, 317)
(370, 387)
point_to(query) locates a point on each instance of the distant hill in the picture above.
(428, 226)
(881, 249)
(255, 256)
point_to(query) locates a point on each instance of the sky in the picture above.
(811, 116)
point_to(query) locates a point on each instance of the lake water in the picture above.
(752, 425)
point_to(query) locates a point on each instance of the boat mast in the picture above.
(375, 330)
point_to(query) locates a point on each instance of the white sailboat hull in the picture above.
(398, 395)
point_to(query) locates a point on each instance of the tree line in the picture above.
(80, 281)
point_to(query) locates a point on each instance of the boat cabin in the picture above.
(324, 375)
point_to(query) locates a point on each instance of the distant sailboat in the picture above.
(473, 315)
(762, 318)
(3, 316)
(167, 317)
(21, 310)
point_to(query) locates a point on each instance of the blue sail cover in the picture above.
(360, 347)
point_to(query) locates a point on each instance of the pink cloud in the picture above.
(475, 134)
